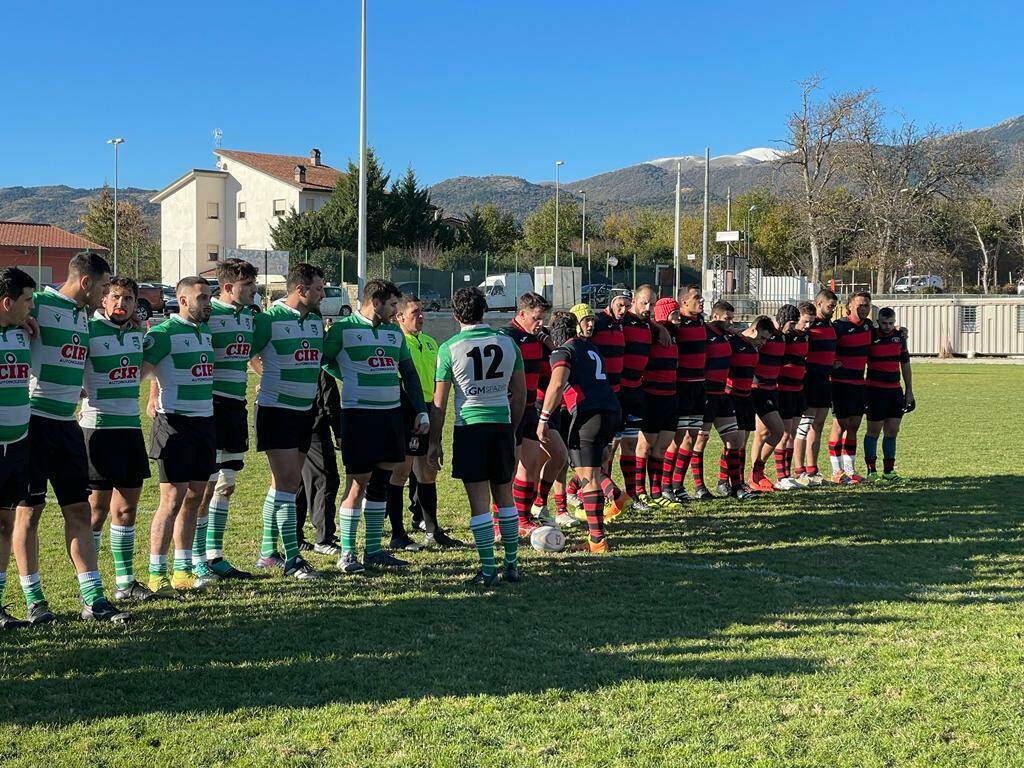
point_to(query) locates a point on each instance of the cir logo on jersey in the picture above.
(73, 352)
(12, 370)
(203, 369)
(238, 348)
(380, 360)
(306, 353)
(125, 371)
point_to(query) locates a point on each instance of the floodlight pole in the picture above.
(704, 241)
(361, 241)
(116, 142)
(675, 242)
(558, 164)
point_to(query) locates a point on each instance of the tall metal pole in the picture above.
(675, 244)
(584, 193)
(704, 244)
(361, 242)
(116, 142)
(558, 164)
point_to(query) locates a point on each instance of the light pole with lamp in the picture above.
(746, 231)
(583, 192)
(558, 164)
(116, 142)
(361, 207)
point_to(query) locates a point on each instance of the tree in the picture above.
(412, 212)
(341, 211)
(815, 130)
(539, 227)
(301, 232)
(133, 236)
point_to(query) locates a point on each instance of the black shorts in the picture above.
(690, 399)
(660, 414)
(185, 447)
(484, 453)
(633, 403)
(743, 407)
(232, 422)
(817, 390)
(717, 407)
(528, 424)
(56, 454)
(117, 458)
(281, 429)
(791, 404)
(884, 403)
(563, 423)
(370, 437)
(14, 474)
(847, 399)
(415, 445)
(590, 434)
(765, 401)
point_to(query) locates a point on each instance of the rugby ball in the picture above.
(547, 538)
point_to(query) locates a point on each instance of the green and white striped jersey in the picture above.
(291, 349)
(232, 329)
(58, 355)
(366, 360)
(182, 353)
(15, 368)
(478, 362)
(113, 371)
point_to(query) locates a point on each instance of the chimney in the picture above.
(300, 174)
(314, 157)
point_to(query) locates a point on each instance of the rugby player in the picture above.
(577, 373)
(118, 464)
(287, 345)
(660, 409)
(485, 368)
(368, 353)
(791, 387)
(178, 355)
(56, 444)
(16, 294)
(691, 339)
(853, 338)
(888, 358)
(821, 356)
(231, 326)
(768, 424)
(634, 443)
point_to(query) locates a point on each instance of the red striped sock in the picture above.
(723, 465)
(734, 466)
(668, 464)
(628, 466)
(640, 474)
(781, 471)
(593, 506)
(789, 462)
(757, 472)
(573, 488)
(654, 474)
(697, 468)
(561, 506)
(679, 471)
(543, 489)
(608, 488)
(522, 496)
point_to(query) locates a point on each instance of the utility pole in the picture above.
(116, 142)
(558, 164)
(361, 240)
(675, 243)
(584, 193)
(707, 219)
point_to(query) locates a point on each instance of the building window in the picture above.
(213, 252)
(968, 319)
(213, 210)
(308, 204)
(241, 210)
(279, 207)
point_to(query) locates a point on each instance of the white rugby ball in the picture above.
(547, 538)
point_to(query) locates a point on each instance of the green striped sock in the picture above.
(218, 515)
(3, 584)
(269, 542)
(32, 588)
(90, 586)
(285, 515)
(97, 539)
(348, 526)
(199, 541)
(483, 535)
(374, 513)
(183, 561)
(508, 524)
(157, 565)
(122, 547)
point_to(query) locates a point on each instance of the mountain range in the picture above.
(646, 184)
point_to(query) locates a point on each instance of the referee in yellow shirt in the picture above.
(422, 485)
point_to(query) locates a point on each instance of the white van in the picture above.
(503, 290)
(918, 283)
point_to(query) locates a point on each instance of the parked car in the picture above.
(595, 294)
(151, 300)
(430, 298)
(918, 283)
(335, 302)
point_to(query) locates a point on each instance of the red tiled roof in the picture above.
(319, 177)
(23, 234)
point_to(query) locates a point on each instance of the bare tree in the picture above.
(815, 130)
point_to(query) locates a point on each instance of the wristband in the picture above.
(545, 416)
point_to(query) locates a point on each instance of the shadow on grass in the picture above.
(770, 571)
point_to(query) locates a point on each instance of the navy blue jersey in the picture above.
(587, 388)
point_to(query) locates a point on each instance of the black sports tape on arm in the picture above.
(411, 385)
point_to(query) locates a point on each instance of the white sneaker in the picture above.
(544, 515)
(573, 500)
(565, 520)
(787, 484)
(814, 481)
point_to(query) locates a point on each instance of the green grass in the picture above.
(861, 626)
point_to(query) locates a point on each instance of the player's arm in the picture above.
(434, 453)
(663, 336)
(908, 379)
(260, 338)
(552, 398)
(155, 347)
(410, 383)
(517, 390)
(331, 404)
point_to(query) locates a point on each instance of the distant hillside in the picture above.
(65, 206)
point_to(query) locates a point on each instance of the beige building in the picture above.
(206, 212)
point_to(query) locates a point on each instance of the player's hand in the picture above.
(435, 456)
(32, 326)
(151, 409)
(910, 402)
(337, 443)
(542, 431)
(663, 336)
(422, 426)
(789, 326)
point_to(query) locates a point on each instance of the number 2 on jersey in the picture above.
(493, 353)
(598, 363)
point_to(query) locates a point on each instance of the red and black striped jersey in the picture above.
(587, 387)
(611, 343)
(717, 353)
(535, 359)
(636, 334)
(885, 355)
(742, 361)
(821, 346)
(691, 340)
(660, 377)
(769, 362)
(852, 341)
(791, 377)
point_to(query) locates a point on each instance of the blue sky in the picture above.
(471, 87)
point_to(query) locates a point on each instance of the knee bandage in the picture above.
(804, 427)
(727, 429)
(377, 488)
(224, 482)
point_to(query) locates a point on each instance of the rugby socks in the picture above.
(627, 465)
(182, 561)
(680, 468)
(157, 565)
(743, 463)
(811, 469)
(871, 452)
(283, 505)
(697, 468)
(32, 588)
(723, 465)
(508, 524)
(426, 497)
(268, 543)
(573, 488)
(97, 539)
(90, 587)
(733, 464)
(199, 541)
(781, 468)
(834, 457)
(543, 490)
(561, 506)
(348, 526)
(523, 493)
(654, 464)
(640, 475)
(373, 515)
(789, 461)
(593, 505)
(217, 514)
(396, 510)
(849, 454)
(483, 537)
(122, 548)
(757, 472)
(668, 465)
(888, 454)
(608, 488)
(3, 585)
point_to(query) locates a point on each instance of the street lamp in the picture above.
(361, 204)
(558, 164)
(746, 232)
(116, 142)
(583, 192)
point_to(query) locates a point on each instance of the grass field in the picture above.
(861, 627)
